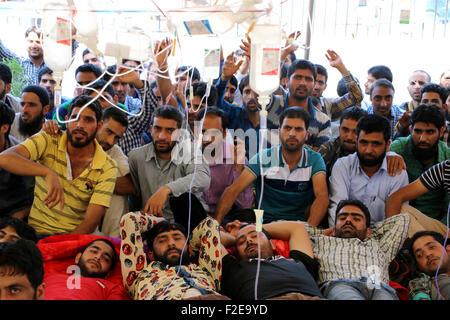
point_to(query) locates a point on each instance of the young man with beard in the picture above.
(226, 161)
(181, 265)
(34, 105)
(74, 177)
(280, 278)
(46, 80)
(95, 263)
(167, 177)
(363, 175)
(295, 186)
(353, 257)
(422, 150)
(427, 248)
(5, 88)
(21, 271)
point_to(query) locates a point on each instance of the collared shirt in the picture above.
(177, 174)
(396, 114)
(133, 104)
(334, 107)
(434, 203)
(138, 123)
(223, 174)
(156, 280)
(351, 258)
(349, 181)
(94, 185)
(16, 192)
(287, 193)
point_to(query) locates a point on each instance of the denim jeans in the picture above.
(350, 289)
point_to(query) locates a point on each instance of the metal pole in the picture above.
(308, 29)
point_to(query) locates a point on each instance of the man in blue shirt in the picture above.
(363, 175)
(293, 176)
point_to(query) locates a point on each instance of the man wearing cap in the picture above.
(34, 105)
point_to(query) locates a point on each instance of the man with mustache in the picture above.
(280, 278)
(95, 264)
(295, 186)
(34, 105)
(421, 150)
(353, 257)
(171, 272)
(74, 177)
(363, 175)
(427, 248)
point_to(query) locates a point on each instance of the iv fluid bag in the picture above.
(265, 59)
(85, 19)
(211, 66)
(57, 36)
(121, 44)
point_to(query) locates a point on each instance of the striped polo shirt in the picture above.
(287, 193)
(94, 185)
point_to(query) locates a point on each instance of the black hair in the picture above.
(380, 72)
(98, 85)
(428, 113)
(342, 88)
(109, 243)
(381, 83)
(44, 70)
(111, 70)
(199, 89)
(5, 73)
(163, 226)
(374, 123)
(192, 72)
(292, 56)
(33, 29)
(216, 112)
(233, 81)
(434, 87)
(262, 229)
(354, 113)
(436, 236)
(89, 67)
(295, 112)
(7, 116)
(168, 112)
(81, 101)
(22, 257)
(23, 229)
(302, 64)
(85, 52)
(125, 60)
(115, 114)
(320, 69)
(243, 83)
(356, 203)
(41, 92)
(283, 71)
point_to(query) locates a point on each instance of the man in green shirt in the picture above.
(421, 150)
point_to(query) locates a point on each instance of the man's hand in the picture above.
(233, 227)
(51, 127)
(55, 193)
(125, 75)
(336, 61)
(230, 67)
(290, 45)
(404, 121)
(328, 232)
(246, 47)
(395, 165)
(157, 201)
(162, 52)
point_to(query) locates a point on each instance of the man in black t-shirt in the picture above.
(279, 278)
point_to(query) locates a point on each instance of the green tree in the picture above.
(19, 79)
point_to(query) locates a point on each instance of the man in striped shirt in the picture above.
(354, 258)
(71, 170)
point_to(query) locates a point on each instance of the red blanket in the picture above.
(59, 253)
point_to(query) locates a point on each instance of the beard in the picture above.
(3, 94)
(32, 127)
(251, 106)
(365, 162)
(292, 148)
(173, 260)
(422, 154)
(85, 272)
(164, 149)
(77, 143)
(350, 233)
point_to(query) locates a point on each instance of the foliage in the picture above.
(19, 79)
